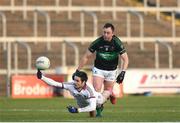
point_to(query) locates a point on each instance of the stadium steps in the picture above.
(165, 15)
(61, 26)
(146, 58)
(64, 27)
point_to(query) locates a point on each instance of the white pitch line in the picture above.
(63, 110)
(27, 110)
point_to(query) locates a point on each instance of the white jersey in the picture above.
(87, 98)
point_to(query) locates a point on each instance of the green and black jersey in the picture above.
(107, 52)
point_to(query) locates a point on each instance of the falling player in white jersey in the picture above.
(88, 100)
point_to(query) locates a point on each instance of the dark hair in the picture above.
(82, 75)
(107, 25)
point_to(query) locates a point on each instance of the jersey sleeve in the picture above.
(120, 46)
(122, 50)
(93, 46)
(68, 85)
(64, 85)
(90, 107)
(51, 82)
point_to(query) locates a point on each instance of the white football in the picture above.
(42, 63)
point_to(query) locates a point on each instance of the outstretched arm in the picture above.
(51, 82)
(48, 80)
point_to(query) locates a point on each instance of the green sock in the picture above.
(99, 110)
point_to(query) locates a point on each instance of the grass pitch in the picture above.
(128, 109)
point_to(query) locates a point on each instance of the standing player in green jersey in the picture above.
(108, 49)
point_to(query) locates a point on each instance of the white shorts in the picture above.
(107, 75)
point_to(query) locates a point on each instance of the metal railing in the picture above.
(29, 55)
(170, 53)
(114, 12)
(25, 12)
(88, 8)
(57, 4)
(102, 8)
(141, 26)
(157, 6)
(8, 71)
(48, 25)
(25, 5)
(157, 12)
(173, 24)
(86, 39)
(114, 4)
(76, 51)
(69, 12)
(12, 6)
(102, 5)
(4, 28)
(82, 23)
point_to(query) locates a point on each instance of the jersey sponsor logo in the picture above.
(108, 56)
(106, 48)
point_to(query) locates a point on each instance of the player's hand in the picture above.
(72, 109)
(120, 77)
(74, 74)
(39, 74)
